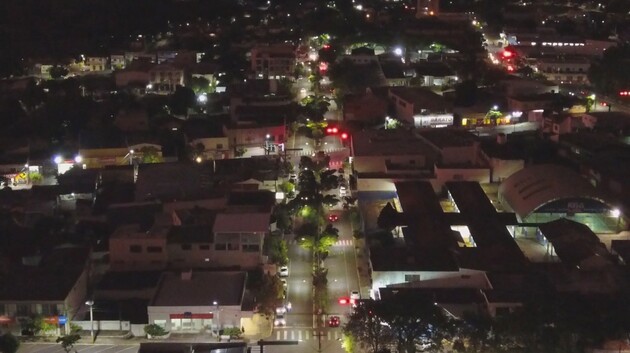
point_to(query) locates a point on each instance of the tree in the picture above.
(269, 294)
(8, 343)
(200, 85)
(68, 341)
(366, 327)
(330, 200)
(277, 250)
(282, 214)
(182, 99)
(150, 155)
(287, 187)
(57, 72)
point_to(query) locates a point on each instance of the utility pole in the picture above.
(319, 338)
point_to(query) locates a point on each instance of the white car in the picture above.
(280, 320)
(284, 271)
(355, 295)
(342, 191)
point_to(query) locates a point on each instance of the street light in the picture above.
(90, 303)
(216, 303)
(58, 159)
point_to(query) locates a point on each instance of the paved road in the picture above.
(80, 348)
(299, 291)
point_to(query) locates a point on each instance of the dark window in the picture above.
(251, 248)
(154, 249)
(49, 309)
(135, 249)
(220, 247)
(22, 310)
(219, 146)
(3, 310)
(232, 246)
(204, 247)
(412, 278)
(186, 247)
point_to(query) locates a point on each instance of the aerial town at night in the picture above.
(314, 176)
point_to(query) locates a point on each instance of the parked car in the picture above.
(284, 271)
(333, 217)
(333, 321)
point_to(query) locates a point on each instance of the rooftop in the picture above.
(390, 143)
(421, 98)
(200, 288)
(448, 137)
(235, 222)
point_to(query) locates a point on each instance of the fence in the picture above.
(104, 325)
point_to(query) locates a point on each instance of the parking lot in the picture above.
(81, 348)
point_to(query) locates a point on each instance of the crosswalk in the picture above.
(306, 335)
(343, 242)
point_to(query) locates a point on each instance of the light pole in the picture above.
(216, 304)
(90, 303)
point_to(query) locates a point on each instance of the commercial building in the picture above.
(195, 301)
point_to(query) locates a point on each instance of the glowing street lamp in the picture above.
(57, 159)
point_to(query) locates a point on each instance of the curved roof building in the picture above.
(550, 188)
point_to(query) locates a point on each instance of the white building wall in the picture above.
(225, 316)
(464, 278)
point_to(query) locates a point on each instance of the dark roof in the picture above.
(262, 198)
(573, 242)
(270, 113)
(436, 69)
(392, 70)
(434, 295)
(448, 137)
(200, 233)
(132, 310)
(201, 289)
(203, 128)
(133, 213)
(407, 259)
(52, 280)
(240, 169)
(362, 51)
(135, 280)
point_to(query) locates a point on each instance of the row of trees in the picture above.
(409, 322)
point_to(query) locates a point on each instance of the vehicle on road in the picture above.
(281, 310)
(355, 295)
(284, 271)
(342, 191)
(334, 321)
(284, 283)
(280, 320)
(333, 217)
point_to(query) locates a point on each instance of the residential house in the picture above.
(366, 108)
(273, 61)
(164, 78)
(207, 138)
(421, 107)
(96, 63)
(434, 74)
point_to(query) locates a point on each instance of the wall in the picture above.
(480, 175)
(503, 168)
(255, 136)
(121, 256)
(371, 164)
(76, 297)
(227, 316)
(213, 146)
(105, 325)
(464, 278)
(460, 155)
(366, 184)
(124, 78)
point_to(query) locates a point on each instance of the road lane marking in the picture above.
(278, 335)
(285, 334)
(292, 335)
(299, 335)
(132, 347)
(328, 335)
(336, 335)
